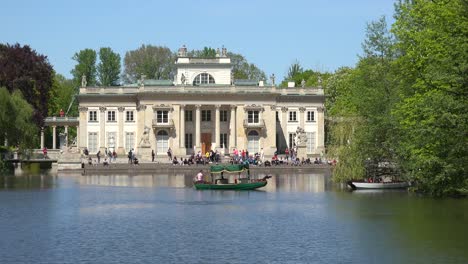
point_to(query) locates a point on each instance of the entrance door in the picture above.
(205, 142)
(162, 142)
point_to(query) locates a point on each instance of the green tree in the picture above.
(86, 65)
(109, 67)
(156, 62)
(205, 53)
(243, 70)
(22, 68)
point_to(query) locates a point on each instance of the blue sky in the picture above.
(320, 34)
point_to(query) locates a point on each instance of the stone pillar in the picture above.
(83, 133)
(232, 128)
(66, 136)
(284, 127)
(217, 126)
(302, 116)
(241, 138)
(42, 138)
(120, 142)
(102, 129)
(182, 126)
(78, 137)
(54, 137)
(320, 129)
(141, 122)
(197, 126)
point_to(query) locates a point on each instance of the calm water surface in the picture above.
(158, 218)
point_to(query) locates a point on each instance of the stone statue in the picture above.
(142, 80)
(217, 52)
(272, 78)
(303, 83)
(319, 81)
(84, 83)
(301, 138)
(182, 79)
(145, 142)
(224, 52)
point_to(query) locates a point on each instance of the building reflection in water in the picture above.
(302, 182)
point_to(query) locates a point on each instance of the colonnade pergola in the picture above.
(55, 122)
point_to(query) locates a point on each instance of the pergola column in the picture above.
(66, 136)
(182, 126)
(197, 125)
(78, 137)
(232, 128)
(54, 137)
(217, 124)
(42, 138)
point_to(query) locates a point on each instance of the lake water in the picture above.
(297, 218)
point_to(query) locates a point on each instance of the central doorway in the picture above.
(205, 142)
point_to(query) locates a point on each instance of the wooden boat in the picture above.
(378, 185)
(222, 184)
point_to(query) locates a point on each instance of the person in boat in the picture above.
(200, 176)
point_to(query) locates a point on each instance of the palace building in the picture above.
(203, 108)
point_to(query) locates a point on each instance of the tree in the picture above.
(155, 62)
(294, 70)
(205, 53)
(86, 65)
(109, 67)
(242, 69)
(21, 68)
(61, 96)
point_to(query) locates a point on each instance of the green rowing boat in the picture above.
(223, 184)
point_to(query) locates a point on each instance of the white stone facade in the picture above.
(204, 115)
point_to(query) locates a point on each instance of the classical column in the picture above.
(54, 135)
(78, 137)
(42, 137)
(302, 116)
(217, 129)
(182, 126)
(320, 128)
(121, 135)
(232, 128)
(66, 136)
(197, 126)
(83, 124)
(102, 130)
(284, 127)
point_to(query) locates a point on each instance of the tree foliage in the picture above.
(243, 70)
(86, 65)
(109, 67)
(296, 74)
(155, 62)
(205, 53)
(21, 68)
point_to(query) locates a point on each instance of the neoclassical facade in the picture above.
(203, 108)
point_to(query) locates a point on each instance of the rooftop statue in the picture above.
(84, 83)
(272, 78)
(303, 83)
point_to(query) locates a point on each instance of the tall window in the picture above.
(188, 140)
(253, 117)
(162, 116)
(292, 116)
(110, 116)
(310, 141)
(162, 142)
(206, 115)
(310, 116)
(129, 116)
(93, 142)
(92, 116)
(223, 115)
(188, 116)
(203, 78)
(292, 141)
(110, 141)
(253, 140)
(223, 140)
(129, 141)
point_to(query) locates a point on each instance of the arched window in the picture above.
(162, 142)
(203, 78)
(253, 142)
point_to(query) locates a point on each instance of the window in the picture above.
(223, 140)
(129, 141)
(110, 116)
(162, 117)
(292, 116)
(206, 115)
(129, 116)
(292, 140)
(223, 116)
(310, 116)
(277, 116)
(253, 142)
(252, 117)
(189, 116)
(203, 78)
(111, 141)
(93, 141)
(162, 142)
(310, 141)
(188, 140)
(92, 116)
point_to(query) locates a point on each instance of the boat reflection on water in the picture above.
(297, 182)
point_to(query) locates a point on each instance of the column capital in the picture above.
(141, 107)
(217, 106)
(320, 109)
(102, 109)
(182, 107)
(273, 107)
(284, 109)
(302, 109)
(83, 109)
(121, 108)
(233, 107)
(198, 106)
